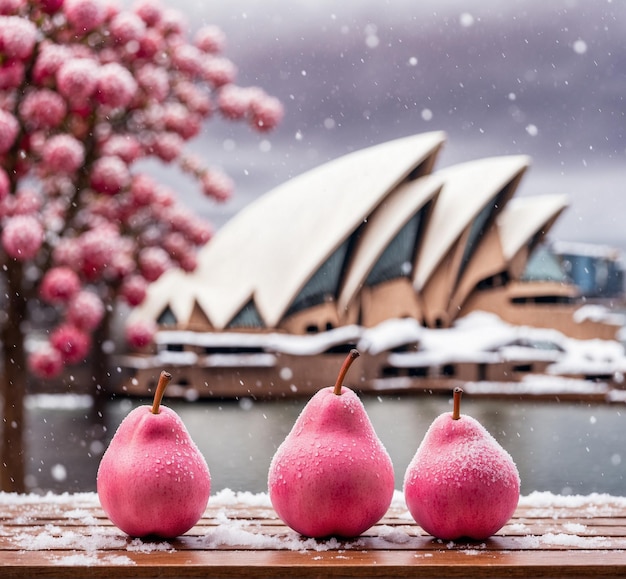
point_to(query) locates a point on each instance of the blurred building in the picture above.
(596, 270)
(374, 236)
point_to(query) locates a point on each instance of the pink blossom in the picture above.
(17, 37)
(6, 206)
(77, 79)
(9, 128)
(140, 333)
(216, 184)
(110, 175)
(49, 60)
(267, 112)
(199, 232)
(63, 154)
(98, 246)
(234, 101)
(46, 362)
(86, 311)
(172, 22)
(150, 44)
(84, 15)
(149, 118)
(188, 262)
(210, 39)
(187, 59)
(149, 11)
(10, 6)
(219, 71)
(142, 190)
(27, 201)
(192, 164)
(164, 197)
(179, 119)
(134, 289)
(196, 230)
(42, 109)
(50, 6)
(59, 285)
(122, 265)
(167, 146)
(178, 217)
(111, 9)
(154, 81)
(107, 55)
(101, 206)
(71, 342)
(53, 214)
(127, 26)
(196, 100)
(116, 86)
(11, 74)
(176, 244)
(126, 147)
(22, 237)
(67, 252)
(153, 262)
(5, 184)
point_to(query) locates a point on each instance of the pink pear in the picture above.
(332, 476)
(461, 482)
(152, 479)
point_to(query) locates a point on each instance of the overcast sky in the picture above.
(542, 78)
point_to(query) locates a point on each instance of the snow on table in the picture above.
(68, 535)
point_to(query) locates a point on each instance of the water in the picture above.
(566, 448)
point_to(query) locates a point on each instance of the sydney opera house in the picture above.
(376, 239)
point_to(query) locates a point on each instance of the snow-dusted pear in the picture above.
(461, 482)
(152, 479)
(332, 476)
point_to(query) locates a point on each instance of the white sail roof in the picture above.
(392, 214)
(523, 217)
(467, 188)
(270, 249)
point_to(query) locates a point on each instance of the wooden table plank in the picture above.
(447, 563)
(70, 536)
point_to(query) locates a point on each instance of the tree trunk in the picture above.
(101, 375)
(13, 380)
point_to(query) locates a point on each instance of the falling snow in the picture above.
(466, 20)
(580, 46)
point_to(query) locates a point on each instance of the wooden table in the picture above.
(69, 536)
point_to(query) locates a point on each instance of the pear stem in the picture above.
(351, 357)
(164, 380)
(456, 409)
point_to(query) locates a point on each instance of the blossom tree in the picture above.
(87, 91)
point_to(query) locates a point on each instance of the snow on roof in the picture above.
(383, 225)
(468, 187)
(586, 249)
(307, 344)
(390, 334)
(523, 217)
(477, 337)
(297, 226)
